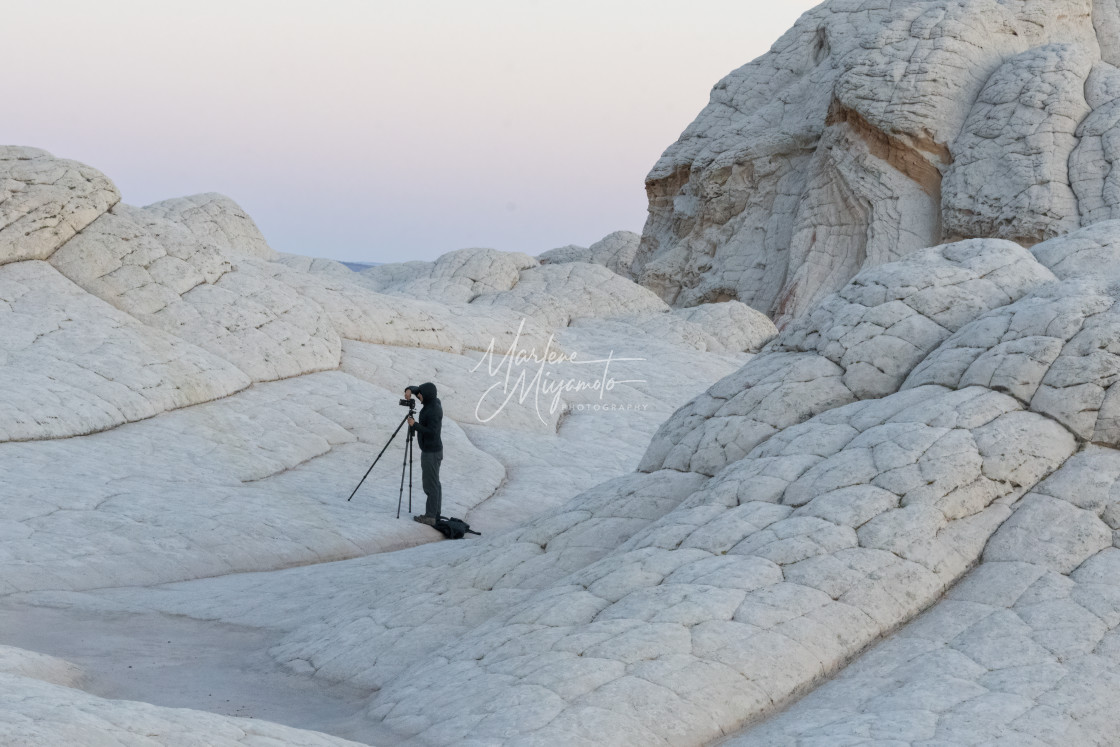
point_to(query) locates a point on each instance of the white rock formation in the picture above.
(1022, 651)
(670, 606)
(858, 343)
(807, 166)
(314, 265)
(138, 262)
(1009, 176)
(258, 480)
(164, 275)
(554, 295)
(45, 200)
(717, 327)
(704, 607)
(71, 364)
(1090, 166)
(894, 523)
(218, 220)
(684, 628)
(1053, 350)
(615, 251)
(511, 285)
(456, 277)
(15, 661)
(171, 411)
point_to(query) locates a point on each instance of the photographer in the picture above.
(431, 447)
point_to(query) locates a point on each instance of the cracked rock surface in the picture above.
(180, 402)
(615, 251)
(1022, 651)
(871, 130)
(839, 468)
(72, 364)
(860, 342)
(45, 201)
(218, 220)
(912, 545)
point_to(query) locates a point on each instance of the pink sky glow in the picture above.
(374, 131)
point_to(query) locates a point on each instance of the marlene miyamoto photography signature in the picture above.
(524, 374)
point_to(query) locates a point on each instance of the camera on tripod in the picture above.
(406, 464)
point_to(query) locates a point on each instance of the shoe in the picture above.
(425, 519)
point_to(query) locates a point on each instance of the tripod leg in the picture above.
(399, 497)
(404, 463)
(383, 448)
(410, 475)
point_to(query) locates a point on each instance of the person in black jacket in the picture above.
(431, 446)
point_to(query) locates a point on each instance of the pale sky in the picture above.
(373, 131)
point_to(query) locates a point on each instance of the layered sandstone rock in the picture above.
(869, 131)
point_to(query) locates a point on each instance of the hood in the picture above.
(428, 391)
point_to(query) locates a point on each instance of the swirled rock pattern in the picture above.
(179, 402)
(858, 343)
(1022, 651)
(886, 516)
(72, 364)
(163, 274)
(941, 495)
(1054, 350)
(773, 562)
(871, 130)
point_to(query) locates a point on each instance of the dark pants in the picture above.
(429, 463)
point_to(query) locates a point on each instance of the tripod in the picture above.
(406, 463)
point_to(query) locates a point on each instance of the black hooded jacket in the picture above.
(430, 422)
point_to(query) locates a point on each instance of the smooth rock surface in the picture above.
(36, 712)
